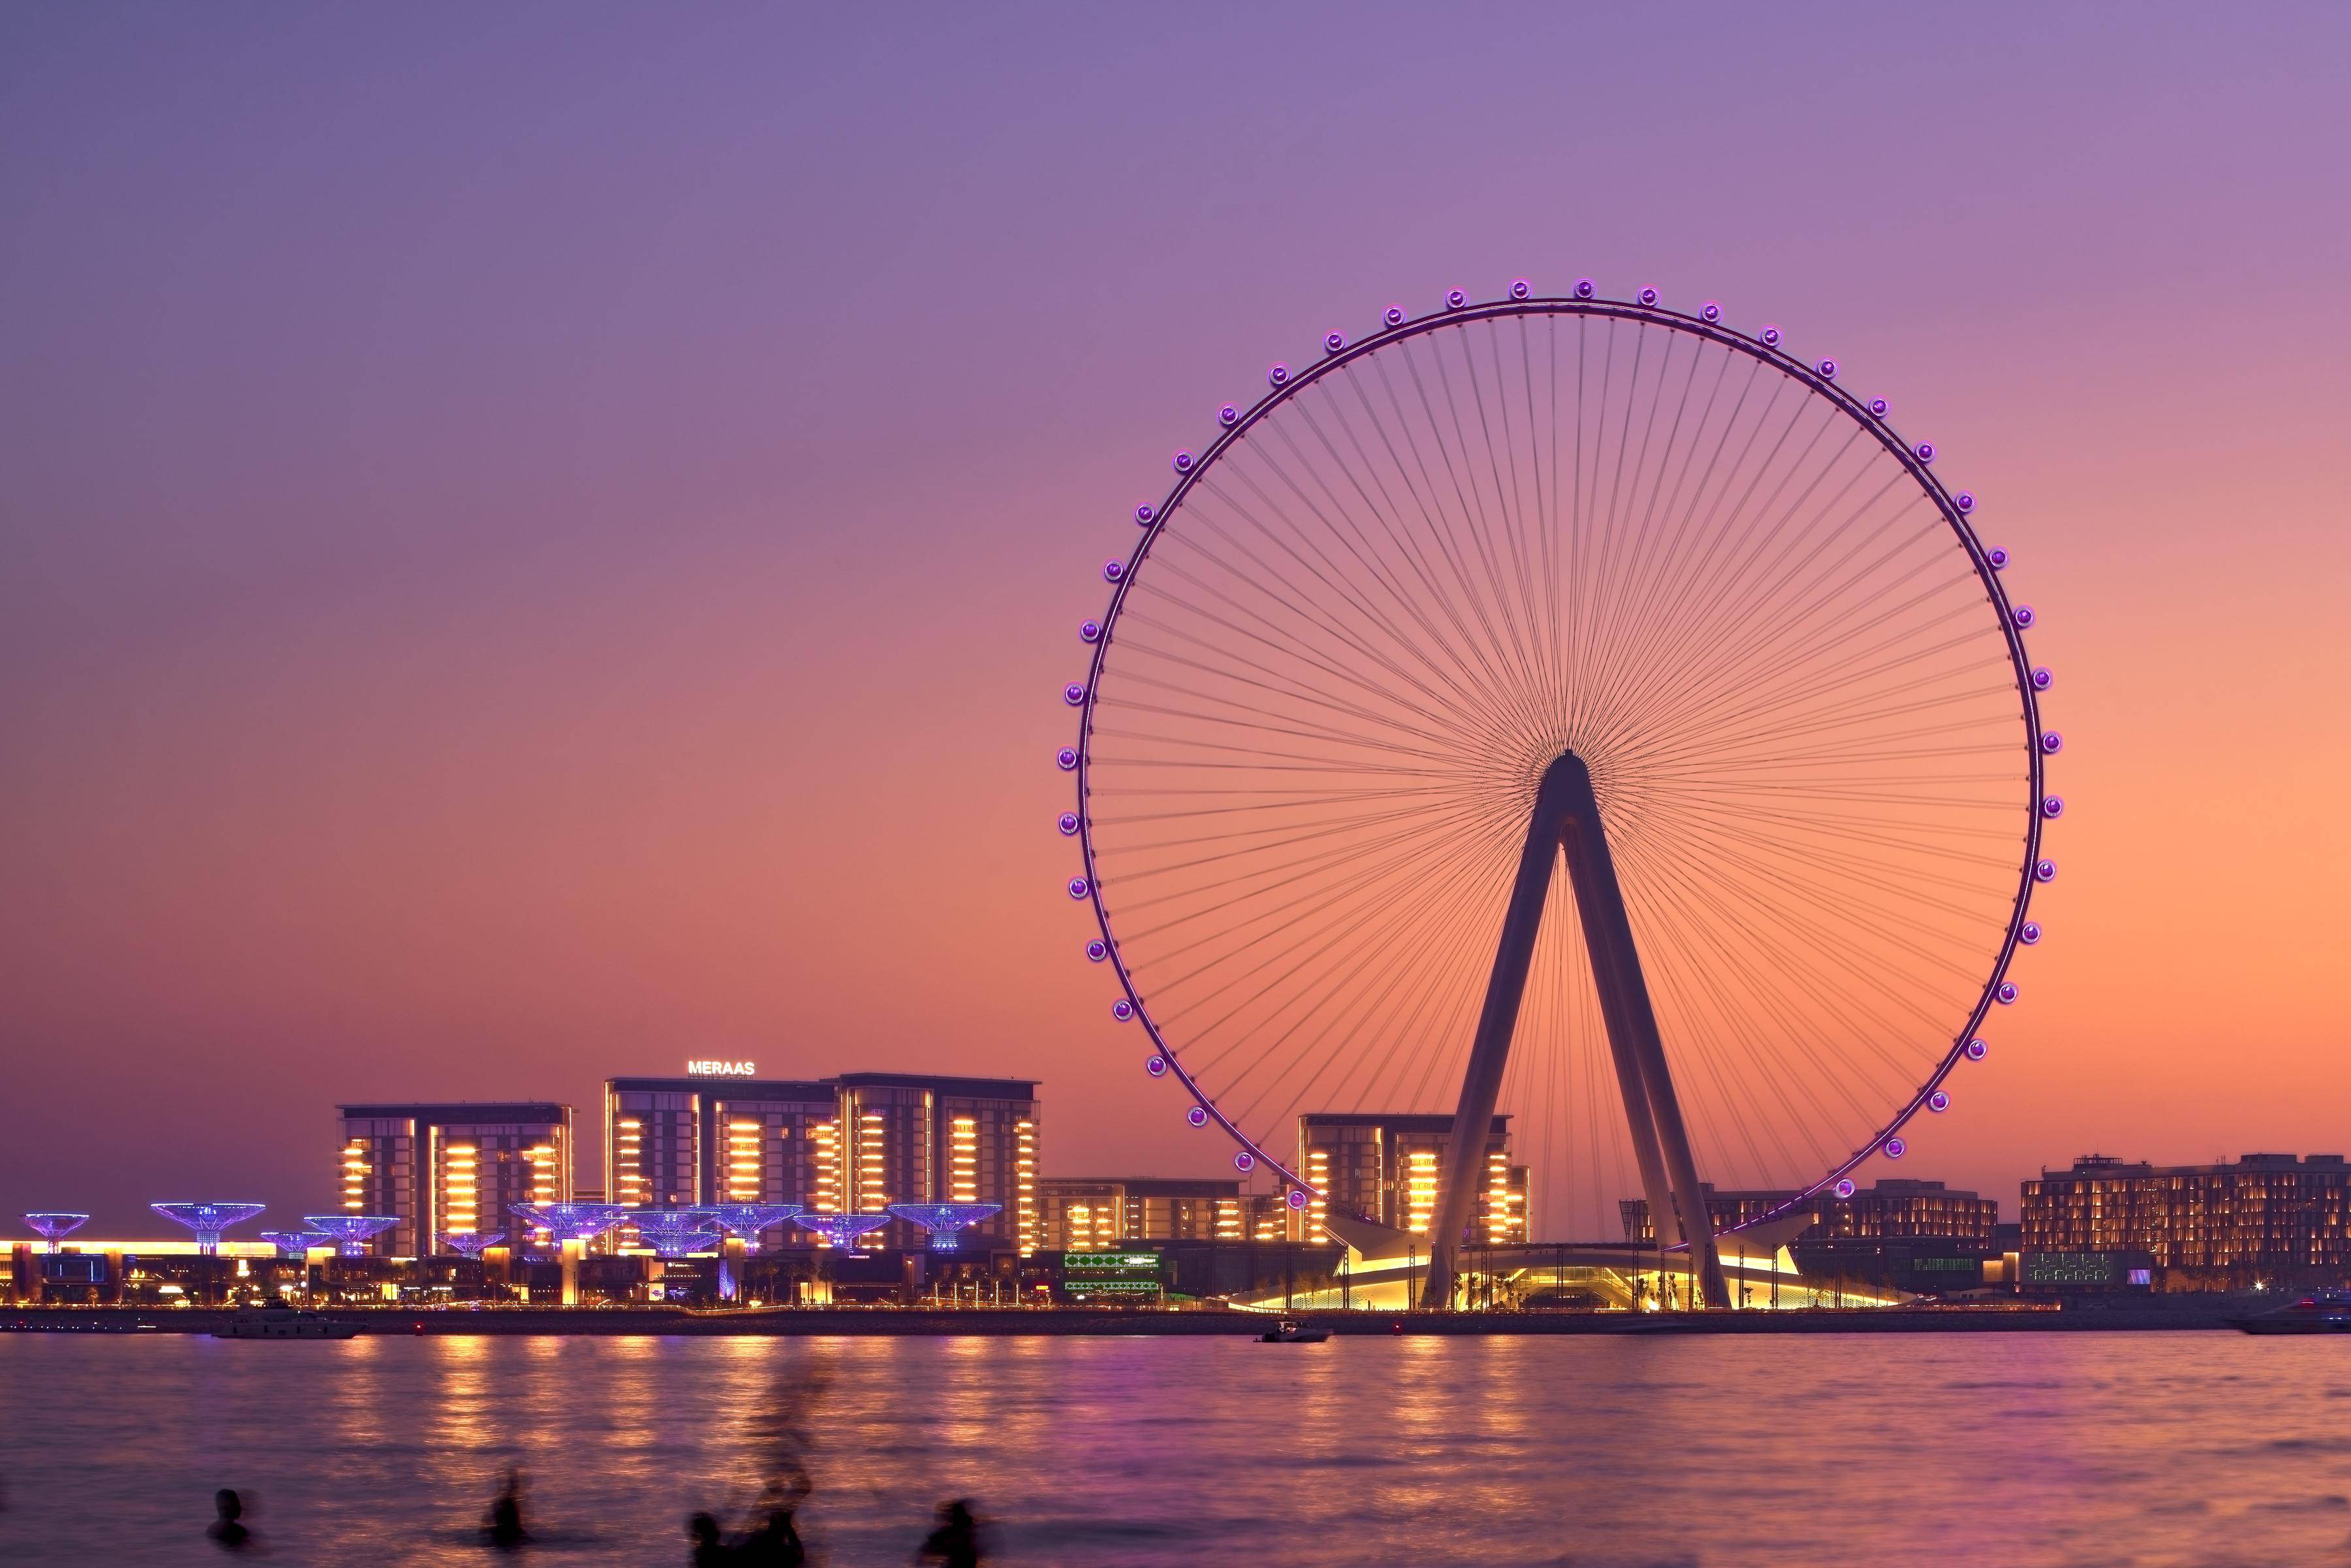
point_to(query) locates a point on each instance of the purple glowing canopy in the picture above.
(295, 1243)
(942, 1220)
(570, 1221)
(675, 1232)
(208, 1219)
(841, 1229)
(352, 1232)
(54, 1227)
(748, 1220)
(470, 1245)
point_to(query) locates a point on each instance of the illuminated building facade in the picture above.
(1384, 1168)
(2262, 1218)
(721, 1138)
(1894, 1208)
(851, 1144)
(1089, 1213)
(450, 1169)
(921, 1138)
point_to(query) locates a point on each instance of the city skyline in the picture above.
(512, 684)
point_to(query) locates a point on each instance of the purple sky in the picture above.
(540, 541)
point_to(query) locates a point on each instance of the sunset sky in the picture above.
(540, 541)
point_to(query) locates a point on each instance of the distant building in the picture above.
(1893, 1208)
(450, 1169)
(2260, 1219)
(1726, 1210)
(1385, 1167)
(1079, 1214)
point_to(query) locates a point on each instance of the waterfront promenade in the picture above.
(2175, 1312)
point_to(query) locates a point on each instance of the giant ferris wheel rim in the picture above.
(1766, 346)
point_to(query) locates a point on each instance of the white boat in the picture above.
(284, 1322)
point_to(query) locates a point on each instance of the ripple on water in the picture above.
(2073, 1449)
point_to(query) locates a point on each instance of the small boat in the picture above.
(1287, 1332)
(284, 1322)
(2320, 1311)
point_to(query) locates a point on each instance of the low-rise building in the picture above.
(2259, 1219)
(1892, 1208)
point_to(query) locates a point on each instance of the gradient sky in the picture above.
(541, 541)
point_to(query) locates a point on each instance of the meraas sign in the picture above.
(710, 1069)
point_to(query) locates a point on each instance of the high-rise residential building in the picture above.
(909, 1137)
(1894, 1206)
(451, 1169)
(1384, 1167)
(2258, 1220)
(719, 1134)
(855, 1144)
(1087, 1214)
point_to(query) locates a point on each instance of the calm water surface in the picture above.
(2026, 1449)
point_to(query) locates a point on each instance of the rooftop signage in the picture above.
(712, 1069)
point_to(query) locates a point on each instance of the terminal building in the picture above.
(2259, 1219)
(855, 1144)
(450, 1169)
(1382, 1166)
(1092, 1214)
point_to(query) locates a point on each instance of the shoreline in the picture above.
(800, 1323)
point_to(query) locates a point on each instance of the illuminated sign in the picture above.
(1110, 1274)
(722, 1068)
(1108, 1262)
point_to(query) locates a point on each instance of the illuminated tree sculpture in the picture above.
(54, 1227)
(295, 1243)
(571, 1221)
(843, 1230)
(352, 1232)
(747, 1220)
(675, 1232)
(208, 1220)
(945, 1221)
(472, 1244)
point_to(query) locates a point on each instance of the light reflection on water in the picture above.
(2030, 1448)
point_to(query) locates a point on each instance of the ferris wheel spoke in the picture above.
(1506, 501)
(1251, 693)
(1465, 645)
(1713, 575)
(1475, 720)
(1834, 878)
(1813, 935)
(1411, 608)
(1282, 636)
(1315, 1059)
(1711, 606)
(1261, 1045)
(1653, 570)
(1483, 644)
(1754, 670)
(1292, 594)
(1513, 651)
(1249, 893)
(1773, 980)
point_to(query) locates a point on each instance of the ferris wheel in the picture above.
(1576, 708)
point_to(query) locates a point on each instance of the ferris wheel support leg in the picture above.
(1664, 1220)
(1481, 1085)
(1600, 901)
